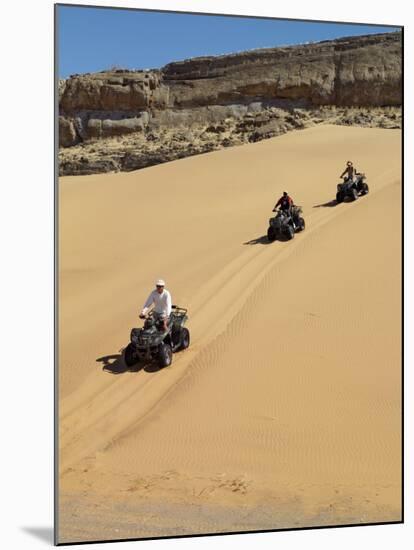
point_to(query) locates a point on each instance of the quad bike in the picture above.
(152, 342)
(352, 189)
(286, 224)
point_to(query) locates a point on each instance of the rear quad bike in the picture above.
(352, 189)
(286, 224)
(152, 343)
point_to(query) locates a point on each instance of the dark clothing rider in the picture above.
(349, 171)
(285, 202)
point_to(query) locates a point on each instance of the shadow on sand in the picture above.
(328, 204)
(259, 240)
(115, 364)
(265, 240)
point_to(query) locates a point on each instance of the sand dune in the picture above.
(285, 410)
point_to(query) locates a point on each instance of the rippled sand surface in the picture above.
(285, 410)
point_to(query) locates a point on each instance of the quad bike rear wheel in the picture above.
(164, 355)
(185, 338)
(353, 195)
(289, 232)
(339, 197)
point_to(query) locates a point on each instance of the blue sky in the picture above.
(93, 39)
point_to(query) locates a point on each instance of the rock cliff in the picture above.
(200, 104)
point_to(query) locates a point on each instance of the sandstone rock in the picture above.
(61, 87)
(94, 128)
(108, 92)
(85, 166)
(120, 127)
(140, 118)
(67, 132)
(134, 161)
(128, 152)
(363, 70)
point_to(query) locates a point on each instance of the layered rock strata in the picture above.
(125, 119)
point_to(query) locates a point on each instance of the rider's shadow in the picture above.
(114, 364)
(328, 204)
(259, 240)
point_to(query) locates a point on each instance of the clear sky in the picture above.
(93, 39)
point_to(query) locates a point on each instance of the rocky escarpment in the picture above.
(201, 104)
(358, 71)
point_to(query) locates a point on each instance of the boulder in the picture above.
(67, 132)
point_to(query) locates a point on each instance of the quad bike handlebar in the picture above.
(177, 309)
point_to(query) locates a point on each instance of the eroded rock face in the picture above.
(67, 132)
(114, 91)
(370, 75)
(162, 144)
(201, 104)
(356, 71)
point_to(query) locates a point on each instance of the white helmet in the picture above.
(159, 282)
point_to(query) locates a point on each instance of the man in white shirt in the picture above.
(160, 298)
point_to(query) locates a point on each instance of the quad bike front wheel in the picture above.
(130, 356)
(339, 197)
(271, 235)
(165, 355)
(185, 338)
(301, 224)
(365, 189)
(353, 195)
(289, 232)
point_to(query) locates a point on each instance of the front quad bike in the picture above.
(151, 342)
(352, 189)
(285, 224)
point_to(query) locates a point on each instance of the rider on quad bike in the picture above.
(160, 298)
(288, 219)
(163, 332)
(354, 184)
(349, 171)
(285, 202)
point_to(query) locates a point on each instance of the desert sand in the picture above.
(285, 411)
